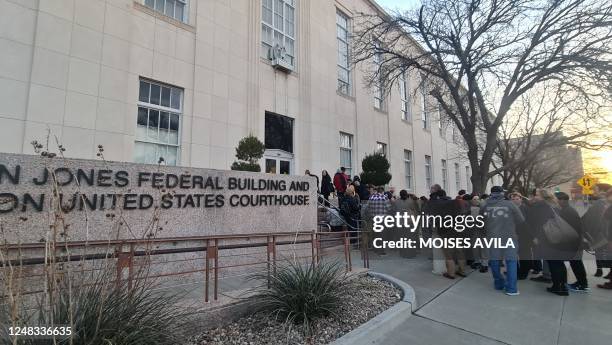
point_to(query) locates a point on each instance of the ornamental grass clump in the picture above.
(100, 312)
(302, 293)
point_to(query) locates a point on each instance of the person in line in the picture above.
(606, 262)
(326, 186)
(501, 219)
(307, 173)
(440, 204)
(378, 205)
(525, 238)
(340, 182)
(480, 255)
(541, 270)
(405, 205)
(543, 208)
(390, 194)
(594, 228)
(361, 188)
(350, 209)
(571, 216)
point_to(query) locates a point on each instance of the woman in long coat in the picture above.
(326, 186)
(544, 206)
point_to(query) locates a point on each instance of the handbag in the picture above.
(558, 231)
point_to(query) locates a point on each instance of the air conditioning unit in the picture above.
(277, 56)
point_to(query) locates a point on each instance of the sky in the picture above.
(397, 4)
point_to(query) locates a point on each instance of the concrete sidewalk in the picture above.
(470, 311)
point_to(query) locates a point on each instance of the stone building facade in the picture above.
(187, 79)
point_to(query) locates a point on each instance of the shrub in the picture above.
(102, 313)
(301, 294)
(246, 166)
(248, 152)
(375, 169)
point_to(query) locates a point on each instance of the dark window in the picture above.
(285, 167)
(279, 132)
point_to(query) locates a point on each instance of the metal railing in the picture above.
(215, 257)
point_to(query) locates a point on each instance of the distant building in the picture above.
(556, 168)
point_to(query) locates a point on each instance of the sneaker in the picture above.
(558, 292)
(541, 279)
(512, 293)
(575, 287)
(599, 272)
(483, 269)
(475, 266)
(609, 275)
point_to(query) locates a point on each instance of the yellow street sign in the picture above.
(587, 191)
(587, 182)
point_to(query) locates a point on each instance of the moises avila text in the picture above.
(449, 243)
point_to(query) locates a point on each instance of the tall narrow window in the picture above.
(427, 172)
(455, 134)
(344, 71)
(424, 114)
(346, 152)
(403, 89)
(157, 124)
(457, 177)
(468, 184)
(408, 168)
(444, 174)
(381, 148)
(171, 8)
(378, 85)
(278, 28)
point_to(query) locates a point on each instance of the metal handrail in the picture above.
(342, 218)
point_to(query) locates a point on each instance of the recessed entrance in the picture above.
(278, 157)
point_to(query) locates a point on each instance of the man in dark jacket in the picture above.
(441, 205)
(571, 216)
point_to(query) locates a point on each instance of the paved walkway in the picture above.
(469, 311)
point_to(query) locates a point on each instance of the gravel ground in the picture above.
(366, 298)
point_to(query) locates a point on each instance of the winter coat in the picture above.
(501, 219)
(350, 208)
(594, 225)
(364, 193)
(340, 182)
(525, 235)
(326, 185)
(571, 216)
(537, 215)
(443, 206)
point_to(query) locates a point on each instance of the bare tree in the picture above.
(478, 59)
(534, 140)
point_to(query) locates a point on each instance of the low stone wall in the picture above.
(78, 200)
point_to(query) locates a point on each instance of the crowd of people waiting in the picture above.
(546, 230)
